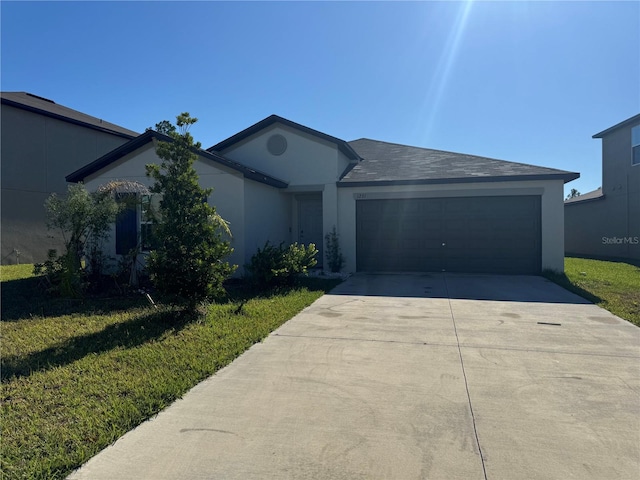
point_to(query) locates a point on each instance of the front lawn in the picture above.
(611, 285)
(78, 374)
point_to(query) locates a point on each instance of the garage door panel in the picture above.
(462, 234)
(480, 264)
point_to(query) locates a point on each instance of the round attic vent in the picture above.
(276, 144)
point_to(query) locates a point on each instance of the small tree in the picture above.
(84, 220)
(335, 259)
(188, 262)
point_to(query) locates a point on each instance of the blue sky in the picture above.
(527, 82)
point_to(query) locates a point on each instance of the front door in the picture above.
(310, 223)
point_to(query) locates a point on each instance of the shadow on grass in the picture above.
(25, 298)
(129, 334)
(562, 280)
(22, 299)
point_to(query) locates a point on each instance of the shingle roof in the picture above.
(270, 120)
(102, 162)
(44, 106)
(390, 163)
(592, 195)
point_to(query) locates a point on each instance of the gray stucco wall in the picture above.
(37, 153)
(267, 217)
(610, 226)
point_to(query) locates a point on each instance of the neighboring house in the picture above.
(395, 207)
(606, 222)
(42, 142)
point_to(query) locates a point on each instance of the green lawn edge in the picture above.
(612, 285)
(78, 375)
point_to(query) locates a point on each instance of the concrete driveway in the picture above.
(442, 376)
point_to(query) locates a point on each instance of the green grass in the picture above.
(76, 375)
(15, 272)
(611, 285)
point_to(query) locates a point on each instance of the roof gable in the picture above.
(390, 163)
(629, 121)
(49, 108)
(343, 146)
(138, 142)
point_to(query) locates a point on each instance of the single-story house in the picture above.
(395, 207)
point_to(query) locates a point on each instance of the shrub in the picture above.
(334, 254)
(277, 265)
(298, 259)
(60, 275)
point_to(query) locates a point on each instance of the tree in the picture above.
(574, 193)
(188, 262)
(165, 127)
(84, 220)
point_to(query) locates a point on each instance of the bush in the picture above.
(334, 254)
(60, 275)
(278, 265)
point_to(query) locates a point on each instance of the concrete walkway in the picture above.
(437, 376)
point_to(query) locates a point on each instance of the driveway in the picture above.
(441, 376)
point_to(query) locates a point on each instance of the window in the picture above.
(148, 213)
(635, 145)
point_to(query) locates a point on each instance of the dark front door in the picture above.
(127, 224)
(310, 222)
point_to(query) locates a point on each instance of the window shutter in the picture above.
(127, 225)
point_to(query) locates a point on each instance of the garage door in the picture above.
(462, 234)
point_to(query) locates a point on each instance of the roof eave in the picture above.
(102, 162)
(98, 164)
(566, 177)
(624, 123)
(63, 118)
(247, 172)
(582, 201)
